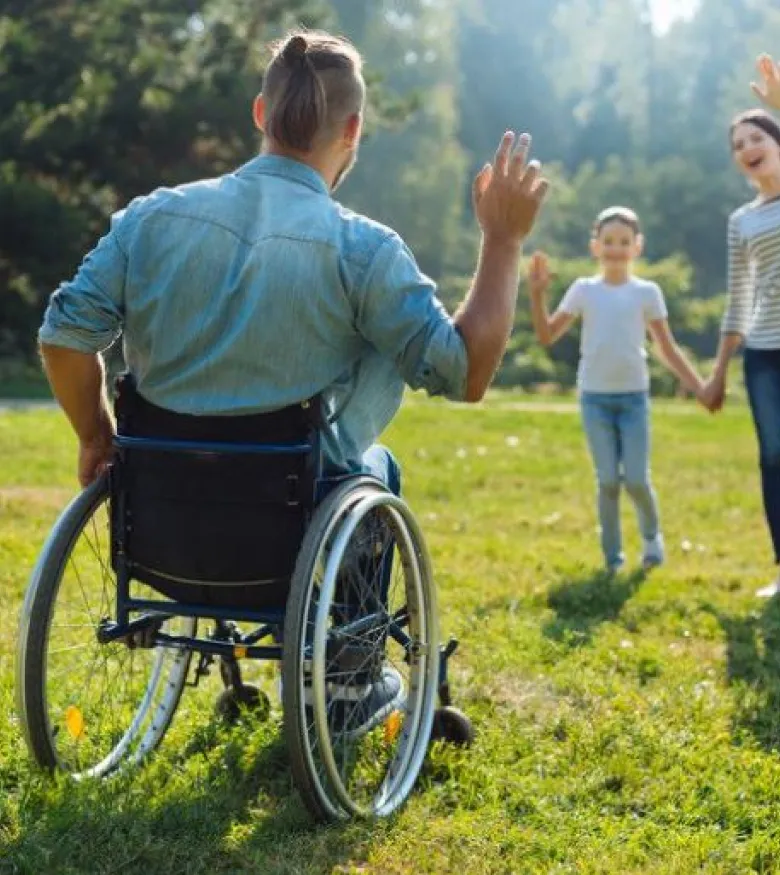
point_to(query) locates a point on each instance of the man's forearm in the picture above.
(77, 381)
(486, 317)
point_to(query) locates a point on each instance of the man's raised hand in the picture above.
(508, 193)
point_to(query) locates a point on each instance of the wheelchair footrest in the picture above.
(141, 632)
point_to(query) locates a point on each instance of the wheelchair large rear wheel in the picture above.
(87, 708)
(361, 658)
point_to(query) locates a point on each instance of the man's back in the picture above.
(235, 297)
(256, 290)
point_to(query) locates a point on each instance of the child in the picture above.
(617, 309)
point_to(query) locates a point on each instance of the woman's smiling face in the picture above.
(755, 153)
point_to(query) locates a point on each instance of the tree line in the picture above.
(105, 100)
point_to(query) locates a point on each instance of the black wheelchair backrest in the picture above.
(212, 504)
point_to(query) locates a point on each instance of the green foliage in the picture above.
(683, 209)
(102, 101)
(411, 176)
(694, 321)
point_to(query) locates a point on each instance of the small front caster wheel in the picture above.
(453, 726)
(234, 700)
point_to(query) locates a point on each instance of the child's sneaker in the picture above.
(653, 554)
(613, 564)
(768, 592)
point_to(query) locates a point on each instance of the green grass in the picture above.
(22, 381)
(624, 726)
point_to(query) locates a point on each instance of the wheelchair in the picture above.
(215, 540)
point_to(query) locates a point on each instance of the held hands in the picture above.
(508, 193)
(769, 89)
(712, 393)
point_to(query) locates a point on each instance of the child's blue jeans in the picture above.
(617, 426)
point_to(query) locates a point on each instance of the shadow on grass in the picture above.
(235, 811)
(753, 667)
(582, 604)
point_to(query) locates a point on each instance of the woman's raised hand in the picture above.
(768, 90)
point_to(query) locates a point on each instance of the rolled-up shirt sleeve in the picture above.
(86, 313)
(400, 314)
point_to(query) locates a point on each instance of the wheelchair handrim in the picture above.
(58, 549)
(408, 761)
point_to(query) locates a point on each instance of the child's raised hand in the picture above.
(769, 89)
(539, 273)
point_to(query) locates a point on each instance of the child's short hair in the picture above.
(617, 214)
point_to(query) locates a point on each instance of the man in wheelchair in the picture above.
(254, 308)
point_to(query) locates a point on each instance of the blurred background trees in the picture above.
(105, 100)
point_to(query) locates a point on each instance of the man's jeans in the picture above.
(617, 426)
(381, 463)
(762, 381)
(378, 462)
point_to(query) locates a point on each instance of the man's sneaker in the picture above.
(354, 711)
(653, 554)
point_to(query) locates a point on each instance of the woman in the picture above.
(753, 313)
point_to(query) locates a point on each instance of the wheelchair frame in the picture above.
(126, 604)
(325, 793)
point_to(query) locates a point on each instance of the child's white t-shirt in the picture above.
(613, 357)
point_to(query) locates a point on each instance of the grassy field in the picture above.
(22, 381)
(624, 726)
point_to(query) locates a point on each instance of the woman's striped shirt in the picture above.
(754, 274)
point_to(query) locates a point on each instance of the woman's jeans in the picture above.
(617, 426)
(762, 381)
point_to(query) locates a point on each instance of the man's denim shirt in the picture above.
(257, 290)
